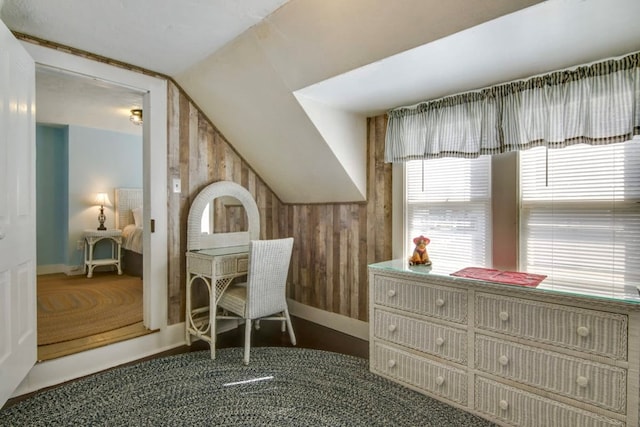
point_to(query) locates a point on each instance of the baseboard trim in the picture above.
(338, 322)
(51, 269)
(56, 371)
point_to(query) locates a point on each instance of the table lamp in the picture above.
(102, 199)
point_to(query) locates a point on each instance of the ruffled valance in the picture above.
(595, 104)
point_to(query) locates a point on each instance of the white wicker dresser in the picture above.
(517, 356)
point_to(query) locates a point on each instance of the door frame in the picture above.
(155, 289)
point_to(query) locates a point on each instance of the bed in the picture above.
(129, 218)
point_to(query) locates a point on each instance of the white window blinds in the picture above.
(449, 201)
(580, 219)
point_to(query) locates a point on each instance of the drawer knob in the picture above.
(439, 380)
(391, 293)
(503, 360)
(504, 316)
(504, 405)
(582, 381)
(439, 341)
(439, 302)
(391, 363)
(583, 331)
(392, 328)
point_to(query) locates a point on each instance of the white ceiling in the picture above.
(290, 83)
(165, 36)
(64, 98)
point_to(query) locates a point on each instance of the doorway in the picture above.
(86, 145)
(154, 245)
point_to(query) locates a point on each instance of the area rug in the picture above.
(280, 387)
(76, 307)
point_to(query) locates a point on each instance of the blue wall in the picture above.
(74, 163)
(52, 190)
(99, 161)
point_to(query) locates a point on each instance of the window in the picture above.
(580, 219)
(449, 201)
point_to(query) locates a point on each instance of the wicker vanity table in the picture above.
(515, 355)
(215, 258)
(216, 268)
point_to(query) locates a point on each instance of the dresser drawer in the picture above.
(591, 331)
(434, 377)
(448, 343)
(430, 300)
(519, 408)
(590, 382)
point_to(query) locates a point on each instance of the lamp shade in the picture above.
(102, 199)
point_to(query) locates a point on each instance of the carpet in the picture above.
(76, 307)
(280, 387)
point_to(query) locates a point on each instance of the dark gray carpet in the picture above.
(307, 388)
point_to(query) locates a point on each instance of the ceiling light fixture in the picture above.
(136, 117)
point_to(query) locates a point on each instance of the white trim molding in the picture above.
(56, 371)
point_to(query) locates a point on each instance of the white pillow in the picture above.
(137, 216)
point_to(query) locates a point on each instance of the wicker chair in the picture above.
(263, 295)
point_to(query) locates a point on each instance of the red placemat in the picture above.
(508, 277)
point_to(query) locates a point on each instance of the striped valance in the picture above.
(594, 104)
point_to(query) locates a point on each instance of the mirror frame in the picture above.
(196, 240)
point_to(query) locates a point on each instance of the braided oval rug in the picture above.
(280, 387)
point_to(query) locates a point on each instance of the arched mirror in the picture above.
(223, 214)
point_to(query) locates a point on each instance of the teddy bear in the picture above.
(420, 254)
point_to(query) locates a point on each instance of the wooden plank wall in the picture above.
(199, 155)
(334, 243)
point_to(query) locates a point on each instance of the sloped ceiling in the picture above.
(290, 83)
(250, 85)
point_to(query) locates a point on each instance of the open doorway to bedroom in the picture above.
(87, 149)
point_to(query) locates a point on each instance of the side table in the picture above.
(91, 237)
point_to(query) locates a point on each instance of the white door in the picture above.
(18, 334)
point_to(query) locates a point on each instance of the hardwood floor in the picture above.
(308, 335)
(64, 348)
(53, 351)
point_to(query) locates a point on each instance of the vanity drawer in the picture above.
(232, 264)
(219, 266)
(430, 300)
(590, 382)
(591, 331)
(520, 408)
(199, 265)
(243, 264)
(448, 343)
(434, 377)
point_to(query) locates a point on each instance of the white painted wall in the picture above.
(346, 135)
